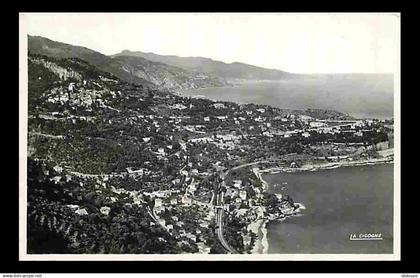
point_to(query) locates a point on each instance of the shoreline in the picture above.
(259, 226)
(328, 165)
(261, 244)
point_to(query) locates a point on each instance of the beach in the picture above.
(261, 245)
(259, 227)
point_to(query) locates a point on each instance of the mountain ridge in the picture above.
(134, 70)
(144, 54)
(234, 70)
(169, 72)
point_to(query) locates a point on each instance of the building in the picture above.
(158, 203)
(219, 105)
(162, 221)
(294, 165)
(81, 211)
(186, 201)
(247, 240)
(316, 124)
(174, 201)
(179, 106)
(139, 172)
(105, 210)
(192, 188)
(306, 134)
(237, 183)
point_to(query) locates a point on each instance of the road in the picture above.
(246, 165)
(220, 205)
(219, 223)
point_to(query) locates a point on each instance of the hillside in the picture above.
(166, 76)
(47, 47)
(118, 168)
(216, 68)
(134, 70)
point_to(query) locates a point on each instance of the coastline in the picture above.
(329, 165)
(259, 226)
(261, 244)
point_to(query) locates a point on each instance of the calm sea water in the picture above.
(360, 96)
(339, 202)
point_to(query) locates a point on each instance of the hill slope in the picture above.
(166, 76)
(216, 68)
(112, 165)
(47, 47)
(131, 69)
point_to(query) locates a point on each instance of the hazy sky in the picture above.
(301, 43)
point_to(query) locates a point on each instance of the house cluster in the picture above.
(191, 226)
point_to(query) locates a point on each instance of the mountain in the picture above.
(130, 69)
(216, 68)
(166, 76)
(47, 47)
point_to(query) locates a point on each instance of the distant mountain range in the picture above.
(166, 71)
(216, 68)
(47, 47)
(158, 71)
(128, 68)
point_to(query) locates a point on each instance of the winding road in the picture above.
(220, 205)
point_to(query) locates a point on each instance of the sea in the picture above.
(339, 202)
(362, 96)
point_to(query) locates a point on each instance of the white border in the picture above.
(23, 256)
(23, 132)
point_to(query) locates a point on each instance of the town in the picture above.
(115, 167)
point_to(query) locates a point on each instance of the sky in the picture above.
(298, 43)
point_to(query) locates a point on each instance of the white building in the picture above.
(105, 210)
(186, 200)
(174, 201)
(158, 203)
(219, 105)
(237, 183)
(81, 212)
(179, 106)
(162, 221)
(317, 124)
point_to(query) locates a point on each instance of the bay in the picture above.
(339, 202)
(362, 96)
